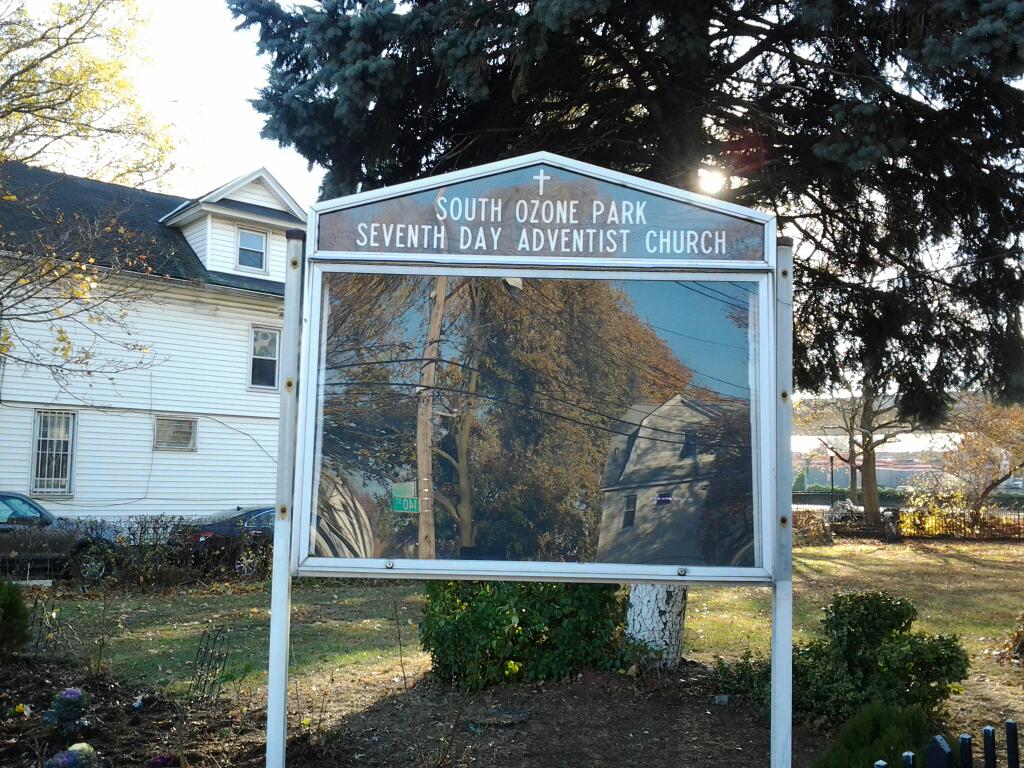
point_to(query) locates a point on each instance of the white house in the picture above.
(678, 485)
(192, 429)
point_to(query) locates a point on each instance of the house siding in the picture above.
(197, 364)
(258, 193)
(694, 494)
(118, 474)
(196, 235)
(222, 253)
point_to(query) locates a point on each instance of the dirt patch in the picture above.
(597, 719)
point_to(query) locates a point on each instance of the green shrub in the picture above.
(878, 731)
(14, 622)
(858, 622)
(483, 633)
(823, 488)
(866, 652)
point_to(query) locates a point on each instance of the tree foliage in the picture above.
(888, 135)
(990, 449)
(65, 295)
(65, 97)
(67, 278)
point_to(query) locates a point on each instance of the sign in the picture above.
(578, 421)
(589, 374)
(404, 498)
(543, 211)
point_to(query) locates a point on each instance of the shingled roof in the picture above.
(110, 222)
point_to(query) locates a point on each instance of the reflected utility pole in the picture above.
(424, 414)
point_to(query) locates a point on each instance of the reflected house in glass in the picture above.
(677, 487)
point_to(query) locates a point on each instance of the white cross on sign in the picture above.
(540, 178)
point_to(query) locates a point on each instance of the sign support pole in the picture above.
(782, 588)
(281, 584)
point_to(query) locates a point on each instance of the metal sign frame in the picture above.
(299, 360)
(303, 564)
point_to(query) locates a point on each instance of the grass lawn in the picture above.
(348, 631)
(973, 590)
(335, 624)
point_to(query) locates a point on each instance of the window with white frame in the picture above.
(252, 249)
(263, 369)
(53, 455)
(174, 433)
(629, 516)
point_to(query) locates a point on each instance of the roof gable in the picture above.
(255, 197)
(257, 187)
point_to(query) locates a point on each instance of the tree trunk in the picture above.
(467, 531)
(656, 618)
(868, 473)
(424, 423)
(684, 133)
(869, 487)
(979, 503)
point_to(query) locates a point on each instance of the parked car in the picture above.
(35, 543)
(239, 538)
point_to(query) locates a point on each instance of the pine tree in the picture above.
(888, 135)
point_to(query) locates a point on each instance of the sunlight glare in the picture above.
(711, 182)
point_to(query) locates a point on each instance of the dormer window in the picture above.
(252, 250)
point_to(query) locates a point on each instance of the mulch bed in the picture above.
(597, 719)
(122, 734)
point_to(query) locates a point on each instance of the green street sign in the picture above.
(404, 498)
(405, 504)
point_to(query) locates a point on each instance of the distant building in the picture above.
(678, 485)
(194, 430)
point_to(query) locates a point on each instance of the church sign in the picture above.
(536, 369)
(546, 211)
(604, 334)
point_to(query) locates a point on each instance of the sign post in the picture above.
(600, 330)
(281, 578)
(782, 587)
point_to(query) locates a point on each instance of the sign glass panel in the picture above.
(555, 419)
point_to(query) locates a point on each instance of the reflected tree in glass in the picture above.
(522, 390)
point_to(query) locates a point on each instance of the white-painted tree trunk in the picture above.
(656, 618)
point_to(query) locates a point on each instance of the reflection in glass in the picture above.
(537, 419)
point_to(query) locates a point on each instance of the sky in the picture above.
(694, 322)
(197, 75)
